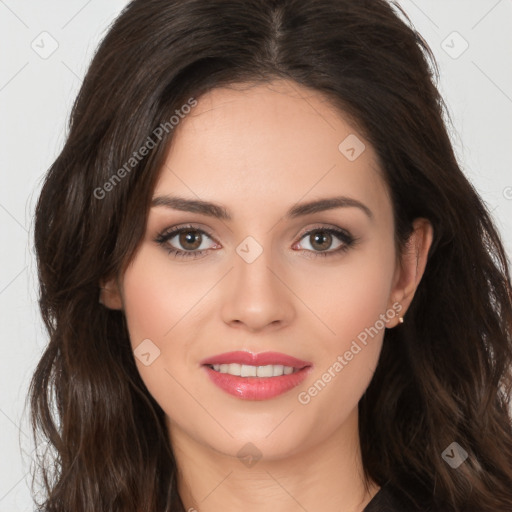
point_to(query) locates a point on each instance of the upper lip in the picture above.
(262, 359)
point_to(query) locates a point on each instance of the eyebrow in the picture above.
(220, 212)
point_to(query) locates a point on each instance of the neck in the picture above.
(326, 476)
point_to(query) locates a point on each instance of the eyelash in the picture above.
(346, 238)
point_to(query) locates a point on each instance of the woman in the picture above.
(265, 278)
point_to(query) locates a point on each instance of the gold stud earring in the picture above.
(401, 319)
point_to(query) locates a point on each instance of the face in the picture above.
(318, 284)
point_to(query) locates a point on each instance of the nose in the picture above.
(256, 295)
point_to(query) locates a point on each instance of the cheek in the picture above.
(158, 296)
(158, 305)
(349, 298)
(354, 307)
(166, 303)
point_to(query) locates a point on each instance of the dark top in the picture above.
(386, 501)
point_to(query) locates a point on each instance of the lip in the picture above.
(256, 388)
(263, 359)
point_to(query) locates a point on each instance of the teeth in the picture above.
(244, 370)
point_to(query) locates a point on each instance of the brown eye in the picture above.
(326, 241)
(321, 240)
(186, 241)
(190, 240)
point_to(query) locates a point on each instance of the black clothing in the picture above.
(386, 500)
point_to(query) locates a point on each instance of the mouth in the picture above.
(256, 376)
(245, 370)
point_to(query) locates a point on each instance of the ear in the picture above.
(110, 294)
(410, 270)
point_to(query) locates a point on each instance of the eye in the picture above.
(321, 239)
(190, 238)
(189, 241)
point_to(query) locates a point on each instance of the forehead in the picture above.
(257, 145)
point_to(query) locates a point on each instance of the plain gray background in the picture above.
(46, 48)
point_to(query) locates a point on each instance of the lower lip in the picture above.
(256, 388)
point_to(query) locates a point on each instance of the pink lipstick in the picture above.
(256, 376)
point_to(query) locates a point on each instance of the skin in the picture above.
(258, 151)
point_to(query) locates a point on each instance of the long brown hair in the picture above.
(444, 376)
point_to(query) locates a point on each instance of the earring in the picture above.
(401, 319)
